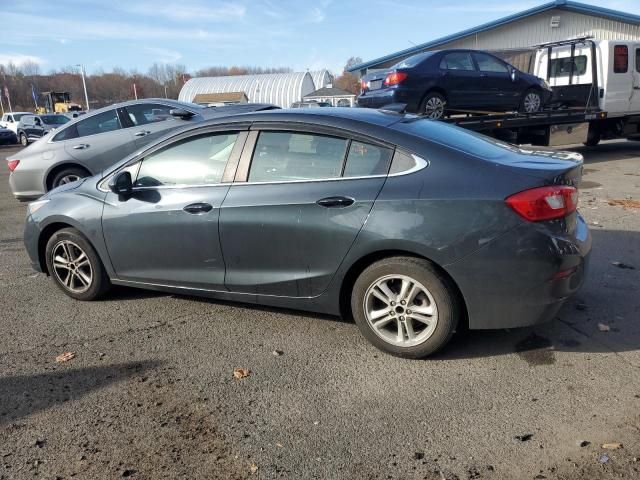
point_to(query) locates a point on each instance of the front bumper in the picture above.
(8, 139)
(525, 276)
(30, 238)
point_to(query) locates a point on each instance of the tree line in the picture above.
(105, 88)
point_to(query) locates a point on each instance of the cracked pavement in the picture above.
(151, 393)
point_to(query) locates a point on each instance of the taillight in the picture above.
(544, 203)
(394, 78)
(12, 164)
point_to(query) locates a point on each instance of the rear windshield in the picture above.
(474, 143)
(413, 60)
(54, 119)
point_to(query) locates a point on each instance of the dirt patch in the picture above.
(586, 184)
(626, 204)
(536, 350)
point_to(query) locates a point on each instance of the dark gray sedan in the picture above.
(413, 227)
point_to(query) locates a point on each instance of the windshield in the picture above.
(18, 116)
(413, 60)
(54, 119)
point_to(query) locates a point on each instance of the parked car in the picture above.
(7, 136)
(433, 83)
(92, 142)
(10, 120)
(412, 226)
(312, 104)
(33, 127)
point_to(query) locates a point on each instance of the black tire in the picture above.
(99, 281)
(65, 175)
(443, 293)
(429, 110)
(527, 97)
(593, 138)
(24, 141)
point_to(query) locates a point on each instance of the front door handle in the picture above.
(335, 202)
(82, 146)
(197, 208)
(142, 133)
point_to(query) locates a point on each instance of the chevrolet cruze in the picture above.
(411, 226)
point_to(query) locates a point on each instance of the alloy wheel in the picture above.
(23, 140)
(71, 266)
(68, 179)
(400, 310)
(532, 102)
(434, 108)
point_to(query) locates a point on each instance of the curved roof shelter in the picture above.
(321, 78)
(280, 89)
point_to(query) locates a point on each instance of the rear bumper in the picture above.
(377, 98)
(8, 139)
(26, 185)
(531, 272)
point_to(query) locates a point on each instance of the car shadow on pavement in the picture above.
(23, 395)
(609, 151)
(602, 317)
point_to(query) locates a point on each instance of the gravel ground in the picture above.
(150, 393)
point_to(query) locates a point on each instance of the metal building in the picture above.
(321, 78)
(280, 89)
(514, 37)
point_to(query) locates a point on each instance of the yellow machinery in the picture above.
(58, 102)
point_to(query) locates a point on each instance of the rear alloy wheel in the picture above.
(24, 141)
(68, 175)
(405, 307)
(531, 102)
(75, 266)
(433, 106)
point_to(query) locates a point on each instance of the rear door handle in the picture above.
(82, 146)
(197, 208)
(335, 202)
(142, 133)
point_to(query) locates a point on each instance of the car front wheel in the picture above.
(24, 141)
(75, 266)
(405, 307)
(531, 102)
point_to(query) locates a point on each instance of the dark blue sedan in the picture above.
(434, 83)
(410, 226)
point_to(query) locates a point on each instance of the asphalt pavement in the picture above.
(151, 393)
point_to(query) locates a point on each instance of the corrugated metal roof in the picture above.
(280, 89)
(567, 5)
(321, 78)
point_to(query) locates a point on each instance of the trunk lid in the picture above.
(374, 80)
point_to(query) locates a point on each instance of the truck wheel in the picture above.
(433, 106)
(24, 140)
(531, 102)
(593, 138)
(405, 307)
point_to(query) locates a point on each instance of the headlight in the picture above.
(37, 205)
(545, 84)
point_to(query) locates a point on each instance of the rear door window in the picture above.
(561, 67)
(365, 160)
(193, 161)
(146, 113)
(291, 156)
(101, 123)
(457, 61)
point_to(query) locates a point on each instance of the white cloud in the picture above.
(317, 15)
(186, 10)
(164, 55)
(19, 59)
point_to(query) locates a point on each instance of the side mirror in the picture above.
(121, 184)
(38, 122)
(181, 113)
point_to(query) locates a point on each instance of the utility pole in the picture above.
(1, 104)
(84, 85)
(135, 91)
(165, 91)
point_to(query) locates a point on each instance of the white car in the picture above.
(11, 120)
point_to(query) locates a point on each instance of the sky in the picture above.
(133, 34)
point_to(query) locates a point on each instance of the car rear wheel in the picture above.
(531, 102)
(75, 266)
(68, 175)
(433, 105)
(24, 141)
(405, 307)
